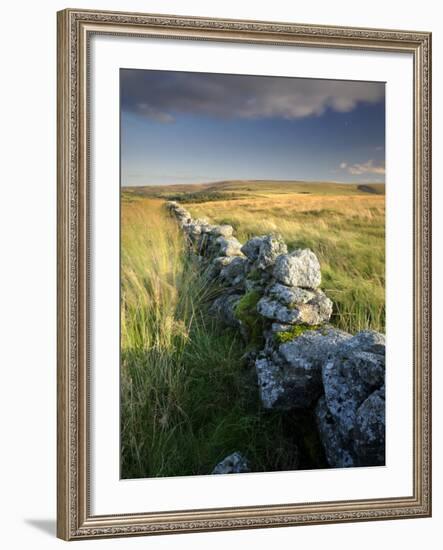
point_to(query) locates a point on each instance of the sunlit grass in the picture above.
(347, 232)
(187, 400)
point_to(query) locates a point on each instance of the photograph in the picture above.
(244, 273)
(217, 288)
(252, 273)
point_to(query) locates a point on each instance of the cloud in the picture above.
(150, 112)
(369, 167)
(162, 95)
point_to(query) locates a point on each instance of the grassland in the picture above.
(343, 224)
(347, 233)
(187, 399)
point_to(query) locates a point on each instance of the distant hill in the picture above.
(375, 188)
(239, 189)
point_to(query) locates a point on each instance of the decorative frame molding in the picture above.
(75, 28)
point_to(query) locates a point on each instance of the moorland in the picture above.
(185, 395)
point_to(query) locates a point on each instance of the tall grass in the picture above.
(187, 399)
(346, 232)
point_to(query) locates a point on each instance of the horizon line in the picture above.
(259, 180)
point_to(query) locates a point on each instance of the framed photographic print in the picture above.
(243, 274)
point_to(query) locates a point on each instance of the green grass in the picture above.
(253, 187)
(187, 399)
(246, 312)
(200, 196)
(346, 232)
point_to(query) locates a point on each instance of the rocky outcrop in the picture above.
(290, 374)
(273, 298)
(311, 308)
(263, 251)
(353, 410)
(301, 268)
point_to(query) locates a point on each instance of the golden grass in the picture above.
(347, 232)
(350, 204)
(186, 399)
(152, 251)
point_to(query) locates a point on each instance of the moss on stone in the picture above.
(254, 275)
(246, 312)
(294, 332)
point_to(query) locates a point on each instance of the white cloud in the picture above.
(158, 116)
(369, 167)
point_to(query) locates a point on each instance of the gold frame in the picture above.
(75, 27)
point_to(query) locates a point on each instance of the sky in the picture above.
(186, 127)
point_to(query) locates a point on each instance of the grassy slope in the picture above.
(253, 188)
(343, 225)
(186, 399)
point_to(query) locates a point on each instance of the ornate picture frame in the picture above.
(75, 518)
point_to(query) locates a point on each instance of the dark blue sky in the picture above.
(196, 127)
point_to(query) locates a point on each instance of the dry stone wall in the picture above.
(301, 361)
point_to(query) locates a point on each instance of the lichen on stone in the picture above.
(294, 332)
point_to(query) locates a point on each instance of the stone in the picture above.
(254, 285)
(207, 228)
(228, 247)
(314, 346)
(262, 251)
(369, 430)
(290, 378)
(251, 248)
(300, 268)
(235, 463)
(338, 454)
(176, 208)
(271, 309)
(289, 296)
(181, 212)
(271, 247)
(366, 447)
(216, 265)
(223, 308)
(234, 273)
(256, 279)
(366, 340)
(280, 327)
(271, 384)
(223, 261)
(222, 231)
(203, 242)
(354, 398)
(351, 376)
(316, 311)
(194, 230)
(320, 308)
(299, 367)
(183, 222)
